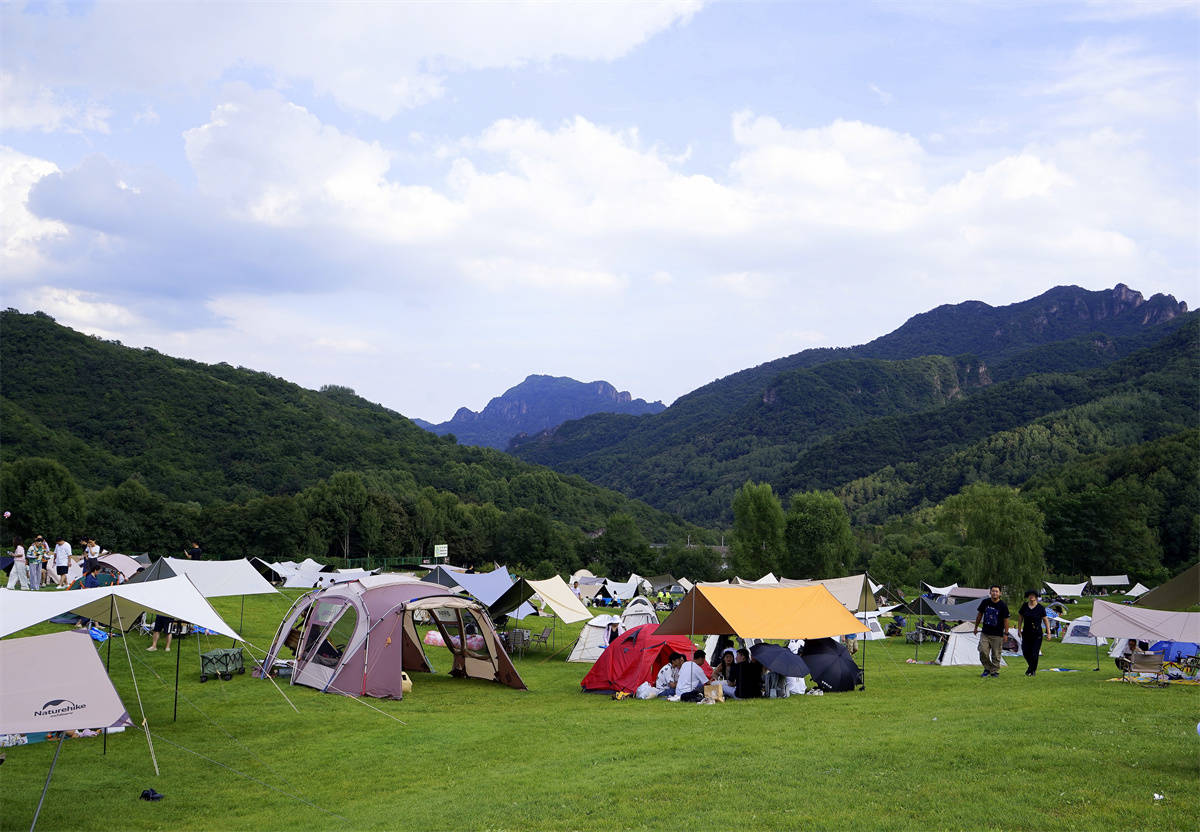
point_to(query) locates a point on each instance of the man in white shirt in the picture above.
(62, 562)
(692, 678)
(665, 683)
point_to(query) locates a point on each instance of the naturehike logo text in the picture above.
(58, 707)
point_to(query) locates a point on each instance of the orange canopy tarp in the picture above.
(761, 612)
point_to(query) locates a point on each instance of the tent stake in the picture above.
(46, 786)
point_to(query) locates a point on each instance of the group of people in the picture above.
(992, 619)
(739, 676)
(39, 565)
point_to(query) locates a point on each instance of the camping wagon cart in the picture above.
(223, 662)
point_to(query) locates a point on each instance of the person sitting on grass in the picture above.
(748, 684)
(692, 678)
(665, 683)
(726, 672)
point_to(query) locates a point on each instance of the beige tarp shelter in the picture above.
(214, 578)
(1109, 581)
(766, 612)
(1121, 621)
(853, 592)
(1179, 593)
(553, 591)
(1138, 590)
(114, 606)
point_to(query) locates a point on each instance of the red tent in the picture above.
(635, 657)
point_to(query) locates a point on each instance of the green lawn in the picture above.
(924, 747)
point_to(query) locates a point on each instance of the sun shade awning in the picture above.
(113, 606)
(214, 578)
(761, 612)
(1121, 621)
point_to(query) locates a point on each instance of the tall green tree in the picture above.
(342, 499)
(817, 537)
(43, 498)
(1002, 536)
(758, 523)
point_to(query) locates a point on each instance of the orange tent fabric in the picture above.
(761, 612)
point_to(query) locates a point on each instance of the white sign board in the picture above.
(441, 550)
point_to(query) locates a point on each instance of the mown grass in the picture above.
(923, 747)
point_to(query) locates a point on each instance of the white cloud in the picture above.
(84, 311)
(25, 105)
(20, 231)
(375, 58)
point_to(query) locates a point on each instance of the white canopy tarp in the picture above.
(686, 585)
(66, 688)
(1067, 590)
(560, 599)
(1138, 590)
(1135, 622)
(1110, 580)
(938, 591)
(114, 606)
(623, 590)
(222, 578)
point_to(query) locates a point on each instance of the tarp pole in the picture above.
(241, 620)
(864, 669)
(178, 650)
(46, 785)
(107, 665)
(1097, 652)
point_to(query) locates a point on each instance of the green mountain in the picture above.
(823, 418)
(537, 403)
(218, 443)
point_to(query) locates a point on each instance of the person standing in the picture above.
(20, 568)
(37, 557)
(193, 552)
(993, 616)
(62, 562)
(1033, 621)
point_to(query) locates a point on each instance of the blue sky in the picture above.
(427, 202)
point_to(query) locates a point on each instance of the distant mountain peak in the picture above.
(538, 403)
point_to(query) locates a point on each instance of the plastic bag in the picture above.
(646, 691)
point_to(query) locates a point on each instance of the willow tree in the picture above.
(1002, 536)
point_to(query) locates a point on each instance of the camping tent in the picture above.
(1179, 593)
(1109, 581)
(114, 606)
(874, 630)
(635, 657)
(662, 582)
(121, 567)
(444, 575)
(852, 592)
(961, 646)
(1067, 590)
(593, 638)
(69, 689)
(1079, 631)
(766, 612)
(214, 578)
(358, 638)
(637, 612)
(1143, 624)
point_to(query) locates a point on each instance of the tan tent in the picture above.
(853, 592)
(1179, 593)
(761, 612)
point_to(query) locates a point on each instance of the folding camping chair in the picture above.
(542, 638)
(518, 642)
(1140, 663)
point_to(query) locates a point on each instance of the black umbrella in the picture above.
(779, 659)
(830, 665)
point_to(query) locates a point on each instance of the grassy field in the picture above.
(922, 748)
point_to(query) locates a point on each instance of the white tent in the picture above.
(1138, 590)
(962, 646)
(1067, 590)
(577, 574)
(115, 606)
(874, 630)
(214, 578)
(1079, 631)
(639, 611)
(1109, 580)
(592, 639)
(623, 591)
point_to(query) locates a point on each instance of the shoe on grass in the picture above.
(151, 649)
(984, 675)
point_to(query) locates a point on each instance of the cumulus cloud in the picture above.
(26, 105)
(374, 58)
(21, 232)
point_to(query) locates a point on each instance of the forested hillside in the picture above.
(823, 418)
(157, 449)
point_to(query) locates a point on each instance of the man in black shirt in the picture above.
(993, 615)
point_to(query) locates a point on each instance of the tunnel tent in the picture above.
(360, 638)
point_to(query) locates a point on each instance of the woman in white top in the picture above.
(20, 568)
